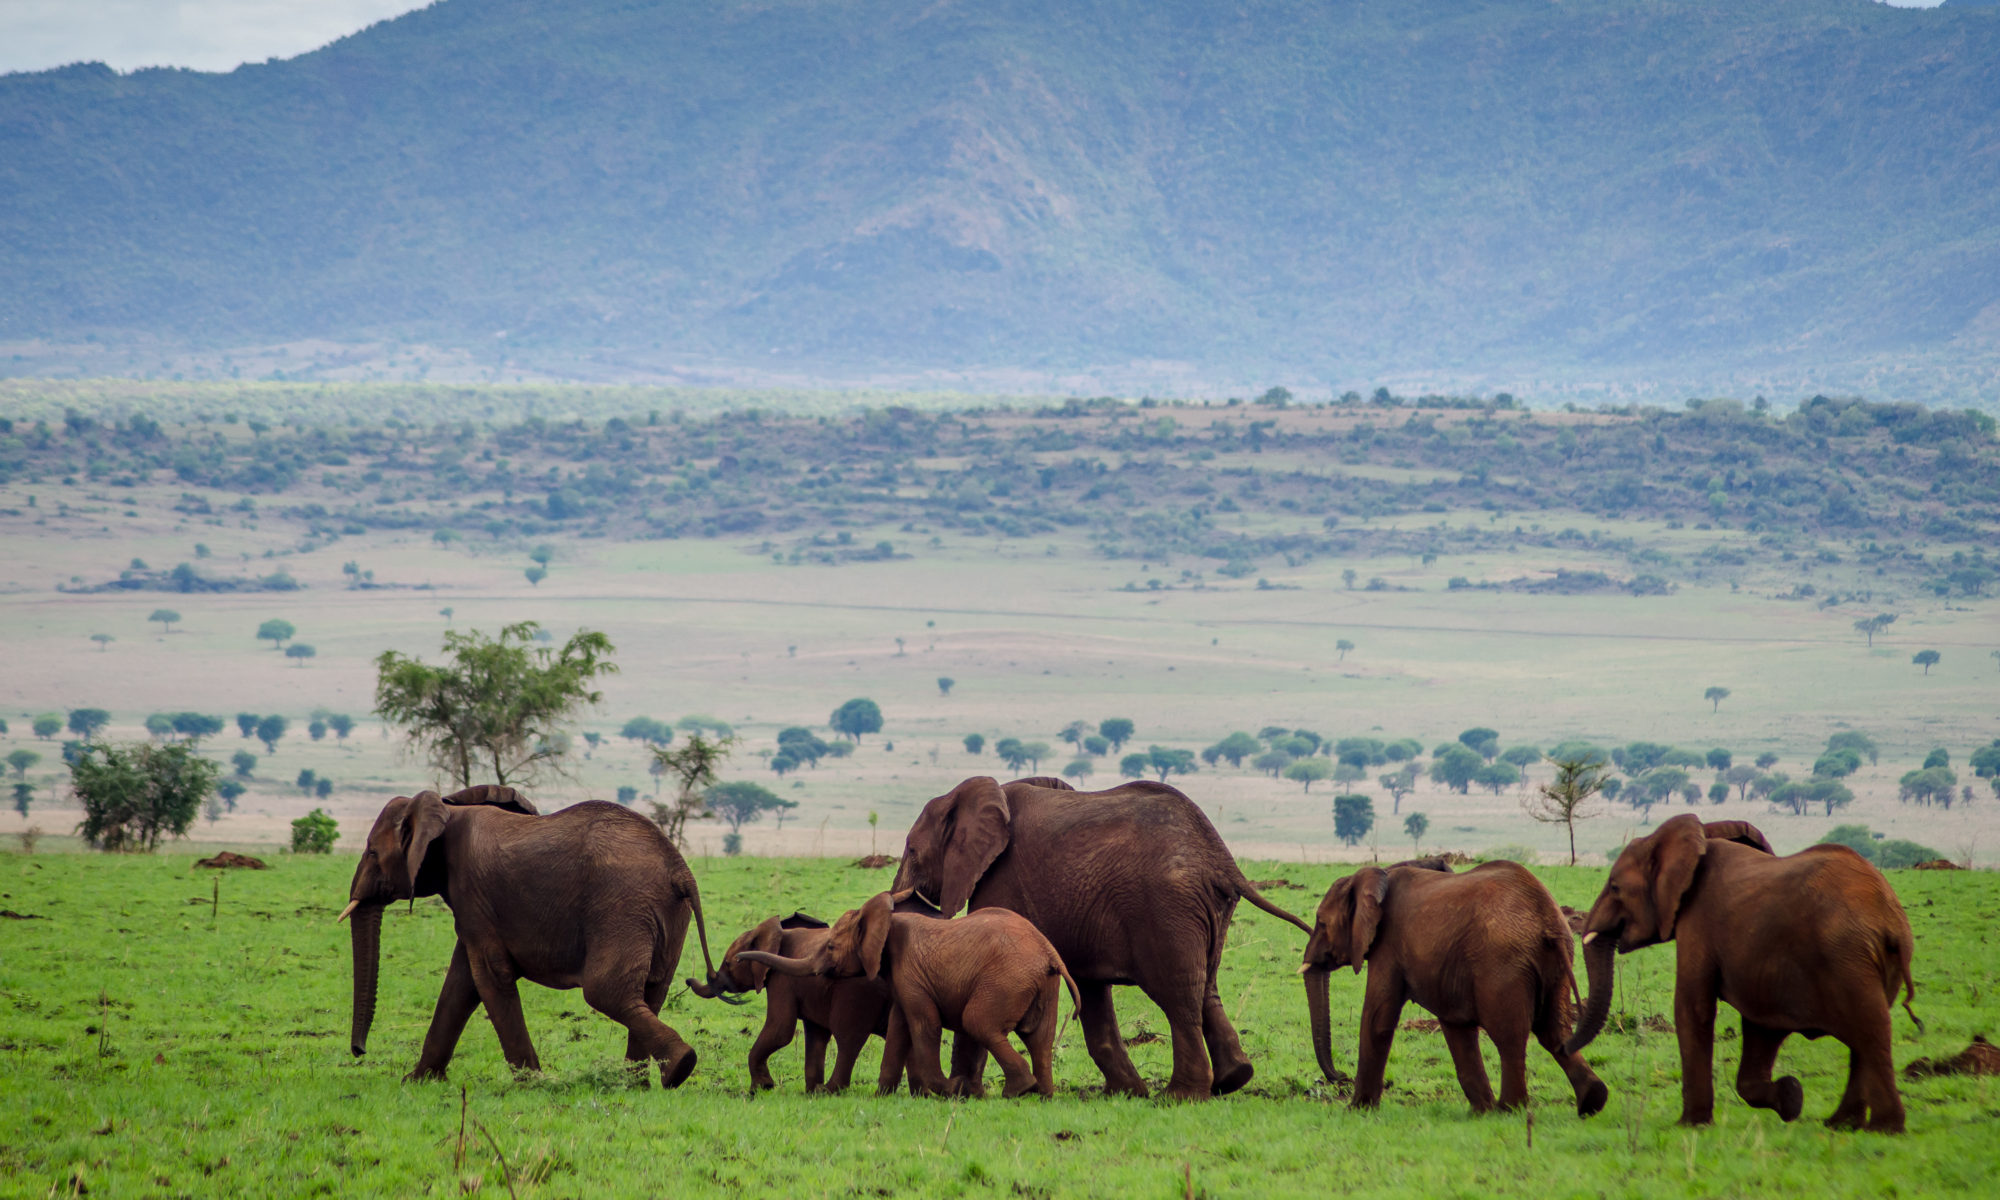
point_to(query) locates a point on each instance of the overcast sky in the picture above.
(212, 35)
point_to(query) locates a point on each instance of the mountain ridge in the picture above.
(1277, 186)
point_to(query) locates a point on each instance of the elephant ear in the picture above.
(876, 917)
(799, 920)
(1678, 847)
(421, 824)
(1740, 832)
(980, 831)
(1371, 888)
(493, 795)
(768, 937)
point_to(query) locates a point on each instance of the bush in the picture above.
(134, 795)
(315, 833)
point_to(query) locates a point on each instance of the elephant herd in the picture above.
(1077, 892)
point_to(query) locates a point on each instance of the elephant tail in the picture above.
(1899, 950)
(693, 895)
(1250, 893)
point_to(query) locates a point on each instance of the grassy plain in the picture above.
(150, 1045)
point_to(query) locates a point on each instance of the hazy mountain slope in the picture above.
(1033, 182)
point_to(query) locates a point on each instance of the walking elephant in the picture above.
(593, 897)
(1131, 885)
(1813, 943)
(1486, 949)
(984, 976)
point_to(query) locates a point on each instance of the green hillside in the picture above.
(1308, 187)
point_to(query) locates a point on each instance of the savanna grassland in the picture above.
(155, 1043)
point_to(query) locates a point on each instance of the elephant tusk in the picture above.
(1590, 937)
(1304, 967)
(351, 906)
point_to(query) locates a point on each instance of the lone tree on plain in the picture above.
(535, 575)
(1415, 826)
(166, 617)
(498, 704)
(1564, 800)
(1117, 731)
(740, 804)
(1925, 659)
(270, 729)
(1343, 645)
(132, 796)
(300, 652)
(21, 760)
(276, 632)
(103, 641)
(945, 684)
(693, 766)
(1309, 771)
(1353, 817)
(975, 743)
(1715, 696)
(1868, 627)
(47, 726)
(856, 717)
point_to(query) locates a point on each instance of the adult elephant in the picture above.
(1813, 943)
(593, 896)
(1132, 885)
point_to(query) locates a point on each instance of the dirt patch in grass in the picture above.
(1265, 885)
(230, 860)
(875, 862)
(1980, 1058)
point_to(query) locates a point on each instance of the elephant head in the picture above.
(954, 841)
(1640, 905)
(856, 945)
(742, 975)
(401, 861)
(1343, 933)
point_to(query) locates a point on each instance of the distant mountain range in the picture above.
(1273, 188)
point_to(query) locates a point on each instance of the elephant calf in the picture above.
(1486, 949)
(983, 976)
(848, 1010)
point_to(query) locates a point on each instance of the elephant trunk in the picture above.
(1319, 1010)
(1597, 962)
(707, 991)
(366, 930)
(798, 967)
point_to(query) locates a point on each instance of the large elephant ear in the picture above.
(493, 795)
(768, 937)
(980, 830)
(1677, 850)
(876, 917)
(421, 824)
(1371, 888)
(1741, 832)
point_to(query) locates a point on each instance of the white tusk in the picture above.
(351, 906)
(1304, 967)
(1590, 937)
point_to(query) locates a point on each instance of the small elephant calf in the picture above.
(983, 976)
(847, 1010)
(1486, 949)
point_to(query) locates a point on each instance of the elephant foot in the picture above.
(1185, 1092)
(1696, 1120)
(1233, 1078)
(675, 1070)
(425, 1074)
(1886, 1124)
(970, 1089)
(1135, 1089)
(1791, 1099)
(1592, 1098)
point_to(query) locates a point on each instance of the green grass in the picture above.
(148, 1048)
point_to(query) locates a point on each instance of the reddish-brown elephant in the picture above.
(593, 897)
(1814, 943)
(1486, 949)
(845, 1010)
(1132, 885)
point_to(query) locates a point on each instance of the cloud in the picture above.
(209, 35)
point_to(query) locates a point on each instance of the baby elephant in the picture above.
(984, 975)
(1487, 949)
(848, 1010)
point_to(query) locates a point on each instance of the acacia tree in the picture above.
(276, 631)
(856, 717)
(498, 704)
(1415, 826)
(1870, 626)
(1925, 659)
(132, 796)
(1715, 696)
(1562, 801)
(693, 766)
(166, 617)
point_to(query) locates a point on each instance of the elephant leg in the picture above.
(1591, 1094)
(1871, 1059)
(1180, 1002)
(779, 1028)
(816, 1038)
(1463, 1042)
(503, 1008)
(1105, 1043)
(895, 1053)
(926, 1046)
(847, 1046)
(1694, 1027)
(1381, 1013)
(1503, 1012)
(455, 1004)
(623, 999)
(635, 1045)
(1041, 1041)
(988, 1017)
(1225, 1050)
(968, 1066)
(1753, 1075)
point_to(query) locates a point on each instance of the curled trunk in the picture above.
(777, 962)
(707, 991)
(1319, 1011)
(366, 931)
(1597, 961)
